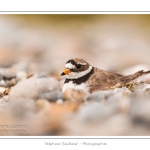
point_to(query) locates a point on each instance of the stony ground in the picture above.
(36, 101)
(33, 55)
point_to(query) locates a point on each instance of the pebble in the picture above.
(21, 66)
(74, 95)
(40, 75)
(22, 108)
(42, 104)
(139, 110)
(2, 89)
(52, 96)
(95, 112)
(112, 95)
(143, 87)
(1, 77)
(4, 100)
(8, 73)
(21, 75)
(146, 89)
(2, 83)
(119, 94)
(1, 95)
(98, 96)
(59, 101)
(40, 97)
(33, 87)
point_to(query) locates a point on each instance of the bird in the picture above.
(83, 76)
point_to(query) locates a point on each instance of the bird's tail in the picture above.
(134, 76)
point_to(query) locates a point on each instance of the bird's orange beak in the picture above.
(66, 71)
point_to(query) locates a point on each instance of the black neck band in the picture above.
(81, 79)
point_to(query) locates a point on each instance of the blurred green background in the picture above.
(110, 42)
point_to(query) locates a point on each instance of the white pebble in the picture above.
(2, 89)
(59, 101)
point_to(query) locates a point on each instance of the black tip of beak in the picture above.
(62, 74)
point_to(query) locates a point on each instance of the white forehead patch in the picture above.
(69, 66)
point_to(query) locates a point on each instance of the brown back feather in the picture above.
(104, 80)
(132, 77)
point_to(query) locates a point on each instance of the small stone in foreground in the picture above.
(33, 88)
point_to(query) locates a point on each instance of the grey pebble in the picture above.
(21, 66)
(113, 95)
(119, 94)
(52, 96)
(96, 112)
(8, 73)
(33, 88)
(2, 83)
(140, 109)
(1, 77)
(4, 101)
(22, 108)
(98, 96)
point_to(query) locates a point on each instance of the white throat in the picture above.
(76, 75)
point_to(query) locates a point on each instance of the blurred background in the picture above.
(110, 42)
(34, 48)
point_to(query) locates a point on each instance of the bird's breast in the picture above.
(82, 86)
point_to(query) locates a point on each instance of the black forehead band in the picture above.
(72, 62)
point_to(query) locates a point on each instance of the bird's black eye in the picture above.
(78, 66)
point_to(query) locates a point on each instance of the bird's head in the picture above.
(76, 68)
